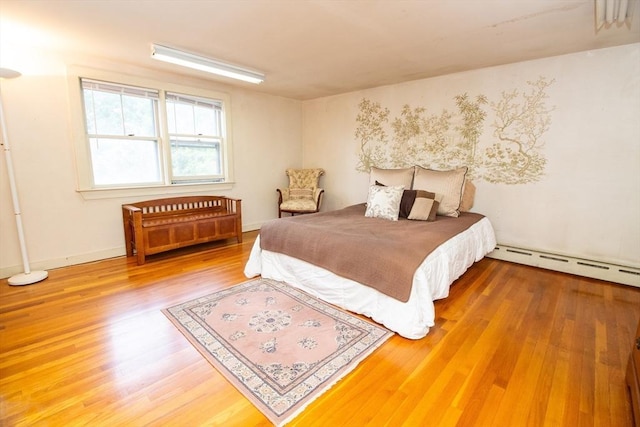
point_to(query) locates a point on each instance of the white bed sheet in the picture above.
(411, 319)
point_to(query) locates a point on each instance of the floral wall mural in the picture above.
(447, 139)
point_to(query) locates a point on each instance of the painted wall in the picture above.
(585, 201)
(63, 228)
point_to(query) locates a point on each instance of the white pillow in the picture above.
(384, 202)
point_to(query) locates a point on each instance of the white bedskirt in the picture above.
(411, 319)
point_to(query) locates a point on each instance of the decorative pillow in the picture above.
(448, 183)
(425, 206)
(406, 203)
(468, 196)
(426, 209)
(390, 177)
(384, 202)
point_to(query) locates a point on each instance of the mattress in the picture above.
(411, 319)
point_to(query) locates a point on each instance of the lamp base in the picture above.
(27, 278)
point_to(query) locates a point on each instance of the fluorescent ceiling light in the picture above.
(201, 63)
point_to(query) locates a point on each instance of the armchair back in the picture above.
(304, 194)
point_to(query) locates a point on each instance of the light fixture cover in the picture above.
(609, 12)
(7, 73)
(197, 62)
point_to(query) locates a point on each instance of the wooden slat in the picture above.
(513, 346)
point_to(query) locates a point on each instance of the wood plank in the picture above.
(512, 345)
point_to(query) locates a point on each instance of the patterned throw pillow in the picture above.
(425, 209)
(384, 202)
(425, 206)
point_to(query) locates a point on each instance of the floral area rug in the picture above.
(278, 345)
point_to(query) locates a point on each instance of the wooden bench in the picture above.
(160, 225)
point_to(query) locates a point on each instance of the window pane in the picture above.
(107, 113)
(184, 120)
(139, 114)
(122, 161)
(206, 122)
(171, 117)
(191, 157)
(188, 115)
(111, 109)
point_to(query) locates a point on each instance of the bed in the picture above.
(391, 271)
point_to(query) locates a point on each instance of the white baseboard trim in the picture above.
(9, 271)
(64, 262)
(610, 272)
(252, 227)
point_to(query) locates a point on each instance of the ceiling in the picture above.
(310, 49)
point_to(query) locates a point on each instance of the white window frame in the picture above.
(81, 146)
(217, 138)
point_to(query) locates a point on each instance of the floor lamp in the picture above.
(28, 277)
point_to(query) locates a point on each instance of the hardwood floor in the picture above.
(512, 346)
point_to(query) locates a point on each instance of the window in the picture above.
(150, 135)
(122, 132)
(195, 133)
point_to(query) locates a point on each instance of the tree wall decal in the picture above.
(454, 139)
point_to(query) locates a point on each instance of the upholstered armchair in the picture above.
(303, 194)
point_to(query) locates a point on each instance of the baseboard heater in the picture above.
(582, 267)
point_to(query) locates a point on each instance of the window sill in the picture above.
(161, 190)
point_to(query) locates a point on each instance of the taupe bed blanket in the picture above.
(376, 252)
